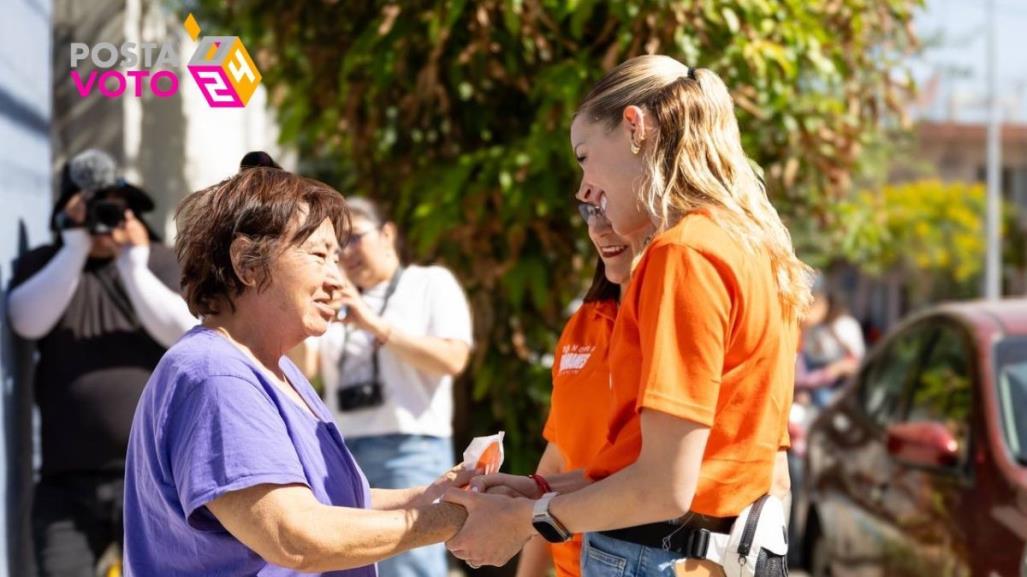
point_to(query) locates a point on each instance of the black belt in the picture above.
(690, 539)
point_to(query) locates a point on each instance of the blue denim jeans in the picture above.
(401, 462)
(603, 556)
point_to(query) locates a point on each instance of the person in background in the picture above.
(832, 347)
(387, 368)
(581, 399)
(101, 303)
(830, 351)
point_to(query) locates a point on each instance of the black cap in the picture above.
(136, 198)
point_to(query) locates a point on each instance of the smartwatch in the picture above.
(548, 526)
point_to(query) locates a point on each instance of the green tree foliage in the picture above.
(455, 114)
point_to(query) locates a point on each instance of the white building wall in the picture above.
(25, 184)
(181, 144)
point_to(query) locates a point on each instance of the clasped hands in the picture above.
(499, 510)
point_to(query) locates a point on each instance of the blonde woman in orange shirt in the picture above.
(702, 354)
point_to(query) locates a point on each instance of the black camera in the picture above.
(103, 215)
(359, 396)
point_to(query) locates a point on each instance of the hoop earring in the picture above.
(635, 149)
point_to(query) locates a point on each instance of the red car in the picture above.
(919, 468)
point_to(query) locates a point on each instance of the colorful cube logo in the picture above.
(224, 71)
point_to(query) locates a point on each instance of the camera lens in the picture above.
(105, 215)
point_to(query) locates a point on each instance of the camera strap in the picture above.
(111, 284)
(375, 361)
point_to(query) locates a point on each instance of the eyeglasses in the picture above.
(355, 238)
(589, 211)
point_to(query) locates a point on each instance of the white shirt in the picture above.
(36, 306)
(427, 301)
(825, 344)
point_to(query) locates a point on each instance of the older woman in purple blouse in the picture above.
(235, 466)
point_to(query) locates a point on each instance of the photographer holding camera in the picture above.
(388, 367)
(102, 305)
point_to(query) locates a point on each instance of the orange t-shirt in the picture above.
(580, 407)
(701, 336)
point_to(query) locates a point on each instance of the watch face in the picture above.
(549, 532)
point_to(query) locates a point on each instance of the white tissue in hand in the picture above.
(485, 453)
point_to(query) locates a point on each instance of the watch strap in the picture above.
(541, 509)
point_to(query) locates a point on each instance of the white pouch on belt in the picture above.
(758, 543)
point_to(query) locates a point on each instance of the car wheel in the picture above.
(819, 556)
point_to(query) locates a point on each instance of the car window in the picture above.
(942, 390)
(885, 378)
(1011, 365)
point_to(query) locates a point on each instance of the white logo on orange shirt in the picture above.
(574, 357)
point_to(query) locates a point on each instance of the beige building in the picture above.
(959, 153)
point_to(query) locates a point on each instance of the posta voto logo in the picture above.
(221, 67)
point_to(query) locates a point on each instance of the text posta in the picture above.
(113, 83)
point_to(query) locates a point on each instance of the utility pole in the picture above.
(993, 260)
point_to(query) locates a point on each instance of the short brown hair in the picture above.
(260, 204)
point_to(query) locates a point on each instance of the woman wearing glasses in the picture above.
(580, 402)
(388, 367)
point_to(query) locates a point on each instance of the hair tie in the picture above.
(691, 72)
